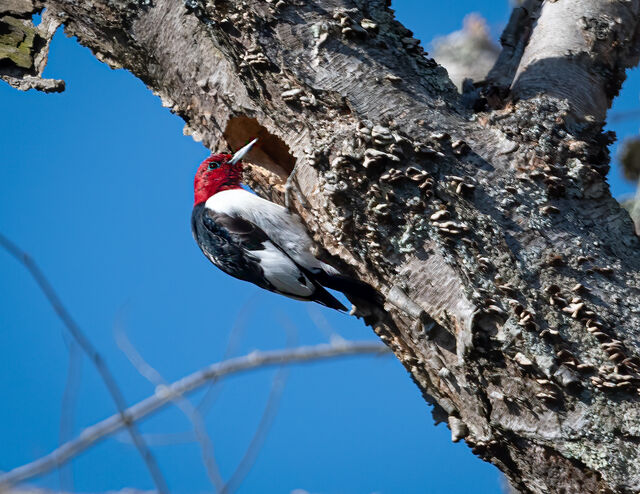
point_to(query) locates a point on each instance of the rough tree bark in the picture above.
(511, 275)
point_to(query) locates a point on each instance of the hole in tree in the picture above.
(270, 152)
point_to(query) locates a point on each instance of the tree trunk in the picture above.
(510, 273)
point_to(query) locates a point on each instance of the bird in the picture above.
(259, 241)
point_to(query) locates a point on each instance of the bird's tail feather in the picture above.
(323, 297)
(352, 288)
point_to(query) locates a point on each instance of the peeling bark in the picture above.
(511, 275)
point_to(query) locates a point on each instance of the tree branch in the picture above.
(510, 273)
(165, 396)
(24, 47)
(468, 53)
(233, 342)
(514, 39)
(259, 436)
(67, 409)
(574, 50)
(191, 412)
(83, 342)
(266, 421)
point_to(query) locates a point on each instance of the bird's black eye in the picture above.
(213, 165)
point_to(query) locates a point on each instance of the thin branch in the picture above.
(164, 396)
(93, 355)
(191, 412)
(620, 116)
(162, 439)
(67, 409)
(30, 489)
(233, 343)
(257, 441)
(268, 416)
(321, 322)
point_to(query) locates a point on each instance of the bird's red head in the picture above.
(214, 175)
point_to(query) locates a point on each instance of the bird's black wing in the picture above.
(225, 249)
(234, 244)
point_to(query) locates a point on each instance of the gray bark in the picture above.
(511, 275)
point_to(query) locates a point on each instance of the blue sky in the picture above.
(96, 184)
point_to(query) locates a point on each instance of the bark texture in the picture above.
(511, 275)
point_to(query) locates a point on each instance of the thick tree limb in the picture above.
(579, 51)
(165, 395)
(511, 275)
(574, 50)
(514, 39)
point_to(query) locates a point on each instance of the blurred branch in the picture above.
(67, 409)
(28, 489)
(233, 343)
(268, 415)
(93, 355)
(164, 395)
(257, 441)
(323, 324)
(468, 53)
(162, 438)
(623, 115)
(191, 412)
(629, 156)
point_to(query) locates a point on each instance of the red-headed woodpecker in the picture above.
(259, 241)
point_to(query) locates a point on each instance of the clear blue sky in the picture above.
(96, 184)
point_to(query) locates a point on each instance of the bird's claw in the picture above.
(291, 185)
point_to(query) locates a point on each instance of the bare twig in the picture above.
(191, 412)
(30, 489)
(92, 354)
(233, 342)
(323, 324)
(162, 438)
(164, 396)
(67, 409)
(268, 415)
(266, 421)
(620, 116)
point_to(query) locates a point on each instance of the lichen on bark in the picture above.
(24, 46)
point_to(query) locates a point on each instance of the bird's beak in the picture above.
(242, 152)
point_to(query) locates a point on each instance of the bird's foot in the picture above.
(291, 186)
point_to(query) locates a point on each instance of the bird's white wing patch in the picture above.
(283, 229)
(282, 272)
